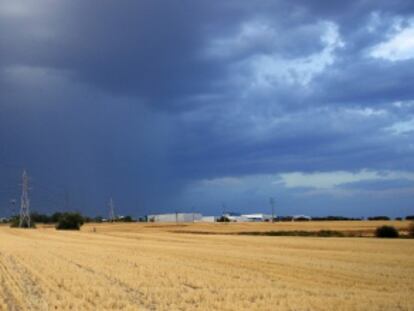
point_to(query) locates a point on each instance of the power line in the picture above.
(25, 202)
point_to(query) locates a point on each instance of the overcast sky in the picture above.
(192, 105)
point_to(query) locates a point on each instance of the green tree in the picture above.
(70, 221)
(386, 232)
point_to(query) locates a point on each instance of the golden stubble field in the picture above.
(150, 267)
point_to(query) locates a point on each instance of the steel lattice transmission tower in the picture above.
(25, 202)
(111, 210)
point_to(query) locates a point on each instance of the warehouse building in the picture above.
(257, 217)
(208, 219)
(236, 217)
(198, 217)
(175, 217)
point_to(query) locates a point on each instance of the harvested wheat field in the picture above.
(148, 267)
(356, 228)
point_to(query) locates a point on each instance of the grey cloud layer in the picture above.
(145, 98)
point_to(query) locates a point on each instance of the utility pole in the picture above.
(111, 210)
(272, 204)
(25, 202)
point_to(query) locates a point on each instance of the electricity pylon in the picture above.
(272, 204)
(25, 202)
(111, 210)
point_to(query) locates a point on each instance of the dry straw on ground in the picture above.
(147, 267)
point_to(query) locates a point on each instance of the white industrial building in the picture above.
(197, 217)
(301, 217)
(257, 217)
(208, 219)
(235, 217)
(175, 217)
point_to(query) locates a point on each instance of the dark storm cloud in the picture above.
(141, 48)
(140, 99)
(367, 82)
(147, 49)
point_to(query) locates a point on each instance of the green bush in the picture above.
(40, 218)
(386, 232)
(223, 219)
(15, 223)
(127, 219)
(70, 221)
(55, 217)
(411, 230)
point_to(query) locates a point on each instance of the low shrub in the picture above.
(223, 219)
(411, 230)
(330, 233)
(302, 219)
(15, 223)
(285, 218)
(70, 221)
(40, 218)
(386, 232)
(302, 233)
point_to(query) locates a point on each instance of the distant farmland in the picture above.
(151, 267)
(353, 228)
